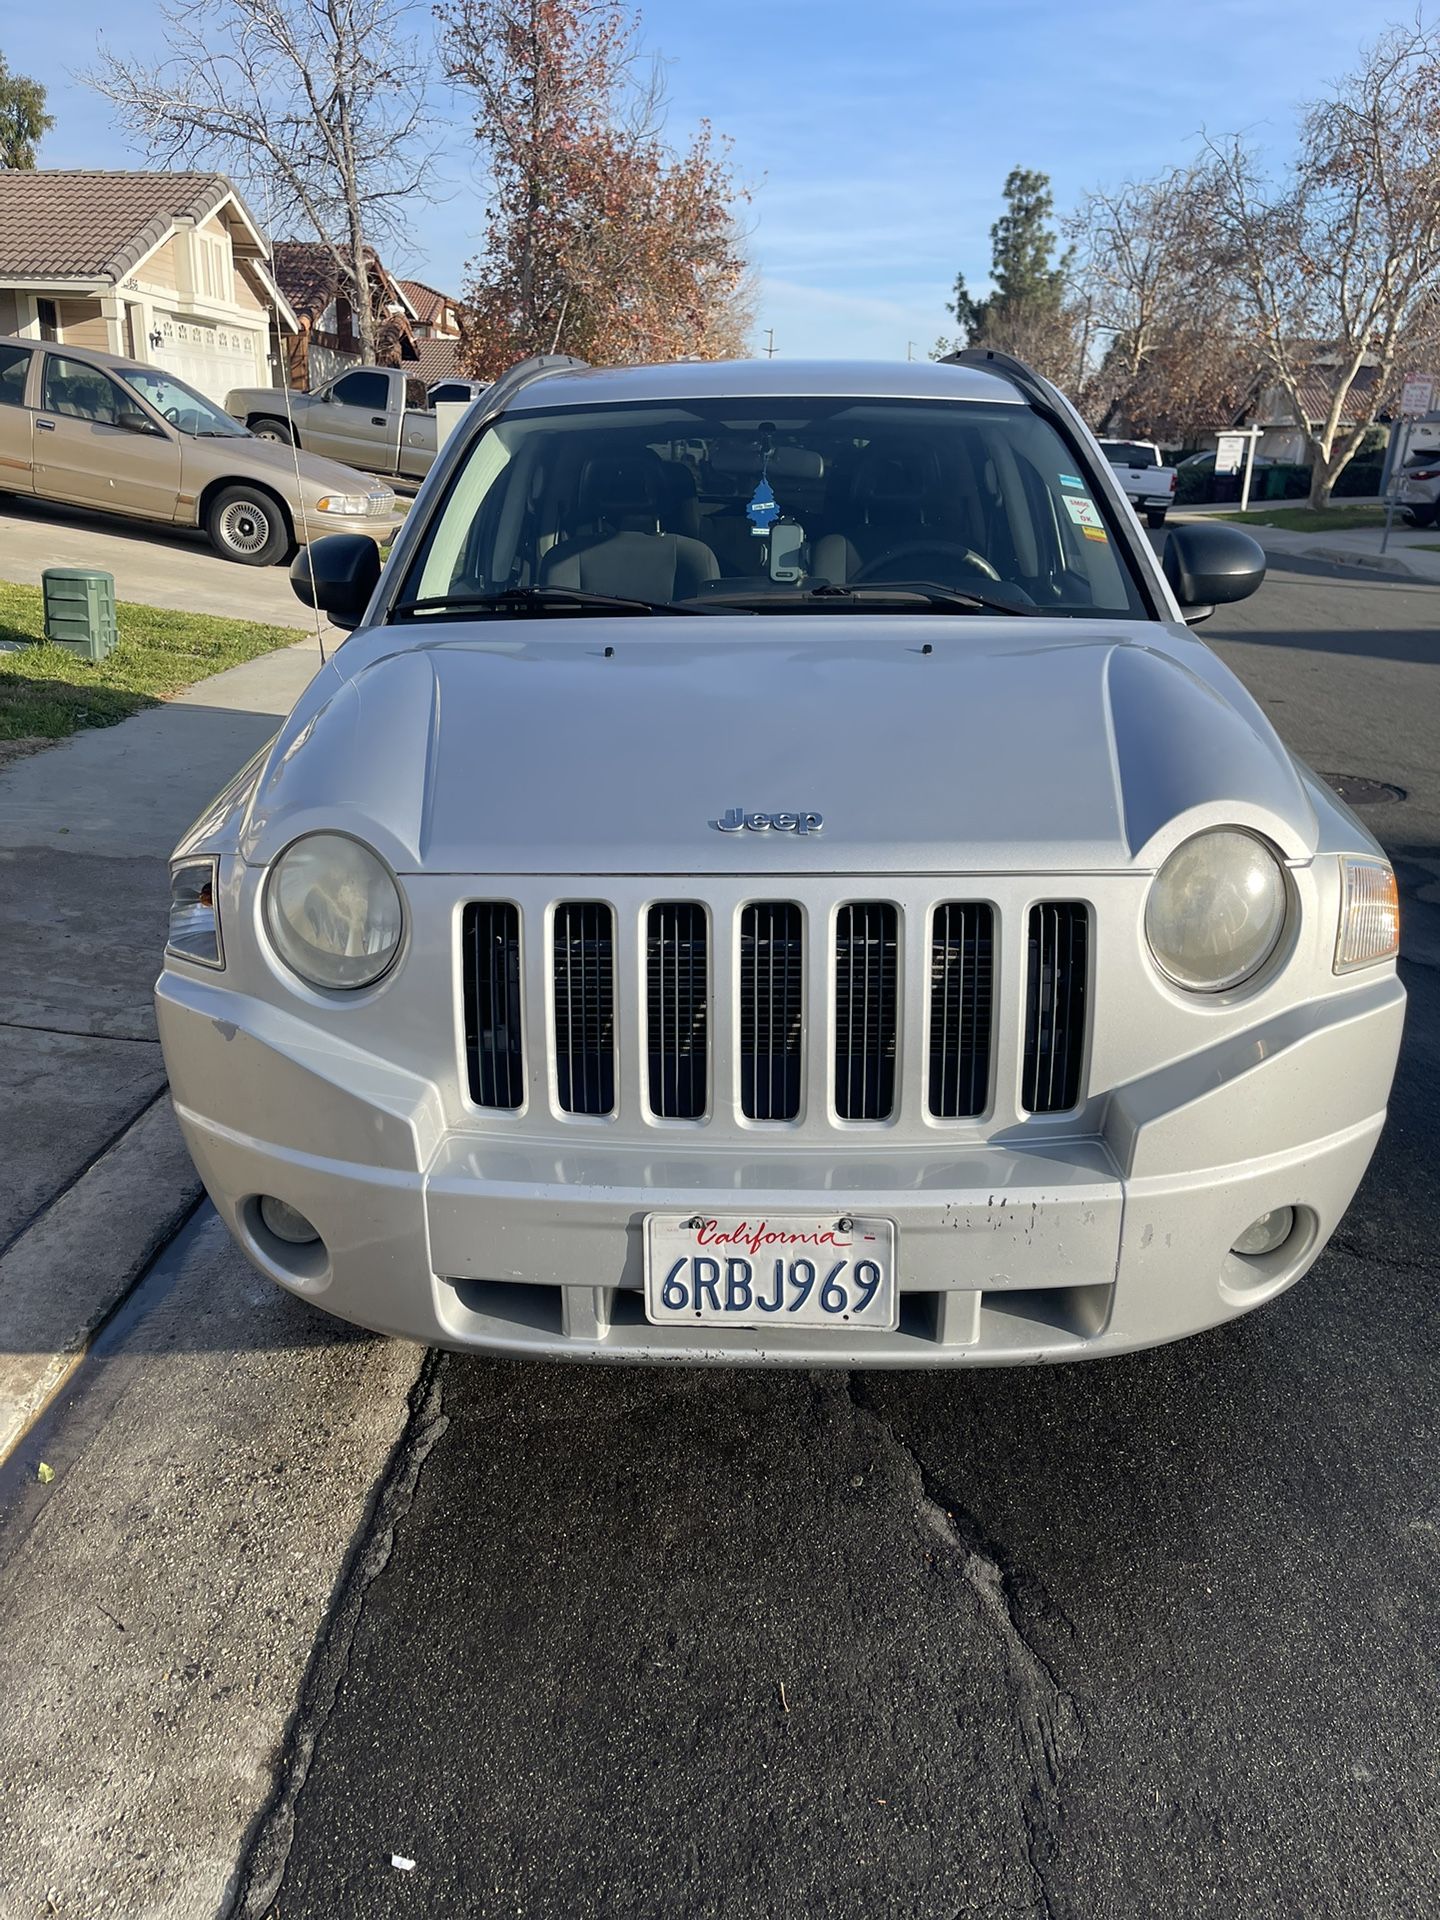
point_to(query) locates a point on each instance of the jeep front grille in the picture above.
(962, 946)
(584, 956)
(1056, 965)
(677, 998)
(772, 1002)
(494, 1035)
(866, 1014)
(915, 1012)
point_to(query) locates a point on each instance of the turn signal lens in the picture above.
(1369, 913)
(357, 505)
(194, 916)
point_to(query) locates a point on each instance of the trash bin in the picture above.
(80, 610)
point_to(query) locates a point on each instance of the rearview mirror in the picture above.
(1210, 566)
(337, 575)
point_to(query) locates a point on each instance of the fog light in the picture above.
(290, 1225)
(1266, 1234)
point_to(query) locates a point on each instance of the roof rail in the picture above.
(524, 371)
(1029, 382)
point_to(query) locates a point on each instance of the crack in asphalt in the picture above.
(1047, 1715)
(266, 1853)
(1374, 1257)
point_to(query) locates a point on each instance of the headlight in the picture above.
(1369, 913)
(333, 912)
(194, 914)
(357, 505)
(1216, 910)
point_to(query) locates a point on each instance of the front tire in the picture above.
(1155, 516)
(246, 525)
(268, 429)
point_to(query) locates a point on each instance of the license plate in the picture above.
(747, 1270)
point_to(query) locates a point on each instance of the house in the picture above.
(168, 268)
(437, 329)
(326, 343)
(1269, 408)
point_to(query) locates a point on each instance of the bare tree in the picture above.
(1342, 259)
(1171, 363)
(317, 106)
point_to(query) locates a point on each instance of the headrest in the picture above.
(625, 491)
(895, 479)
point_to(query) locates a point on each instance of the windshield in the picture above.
(777, 502)
(1129, 453)
(182, 406)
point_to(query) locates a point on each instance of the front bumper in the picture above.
(378, 527)
(1038, 1246)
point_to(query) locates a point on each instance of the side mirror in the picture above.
(337, 575)
(133, 421)
(1209, 566)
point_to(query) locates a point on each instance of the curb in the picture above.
(1347, 557)
(69, 1269)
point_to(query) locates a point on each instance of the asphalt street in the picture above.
(1152, 1636)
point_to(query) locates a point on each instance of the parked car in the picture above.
(771, 876)
(1148, 484)
(91, 429)
(453, 389)
(1419, 486)
(377, 418)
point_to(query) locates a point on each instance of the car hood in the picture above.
(316, 473)
(928, 744)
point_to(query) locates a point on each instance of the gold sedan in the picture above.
(91, 429)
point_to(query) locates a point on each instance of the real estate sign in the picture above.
(1230, 452)
(1417, 395)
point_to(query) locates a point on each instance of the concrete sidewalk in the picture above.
(94, 1173)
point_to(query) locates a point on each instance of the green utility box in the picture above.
(80, 610)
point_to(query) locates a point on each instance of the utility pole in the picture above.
(909, 349)
(770, 343)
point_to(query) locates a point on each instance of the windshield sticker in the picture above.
(763, 510)
(1083, 512)
(1071, 480)
(1095, 533)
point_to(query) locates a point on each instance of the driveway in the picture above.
(157, 566)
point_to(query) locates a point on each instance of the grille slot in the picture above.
(866, 941)
(494, 1041)
(677, 1007)
(1055, 987)
(584, 952)
(962, 960)
(772, 1003)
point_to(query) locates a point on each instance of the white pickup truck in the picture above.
(1149, 484)
(378, 418)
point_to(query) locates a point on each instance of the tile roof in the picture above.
(436, 359)
(428, 302)
(94, 226)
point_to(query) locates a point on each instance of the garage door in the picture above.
(212, 357)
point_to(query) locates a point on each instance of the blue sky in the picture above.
(873, 134)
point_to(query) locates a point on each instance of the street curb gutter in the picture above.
(70, 1268)
(1348, 557)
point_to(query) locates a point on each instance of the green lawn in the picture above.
(1311, 519)
(46, 694)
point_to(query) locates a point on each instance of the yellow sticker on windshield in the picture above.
(1095, 533)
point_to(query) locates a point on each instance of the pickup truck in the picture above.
(378, 418)
(1149, 484)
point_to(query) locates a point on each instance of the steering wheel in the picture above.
(172, 414)
(945, 550)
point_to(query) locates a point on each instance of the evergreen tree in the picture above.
(23, 119)
(1025, 311)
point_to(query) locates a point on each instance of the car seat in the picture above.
(627, 500)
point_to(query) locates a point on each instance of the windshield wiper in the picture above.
(898, 596)
(536, 600)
